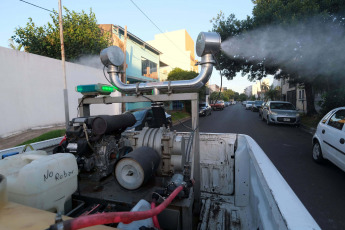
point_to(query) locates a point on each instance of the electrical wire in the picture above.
(81, 101)
(157, 27)
(105, 76)
(38, 6)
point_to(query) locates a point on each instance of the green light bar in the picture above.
(95, 89)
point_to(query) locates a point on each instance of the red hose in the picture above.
(154, 218)
(117, 217)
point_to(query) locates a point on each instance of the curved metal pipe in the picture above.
(207, 63)
(207, 44)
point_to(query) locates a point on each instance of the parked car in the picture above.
(329, 138)
(205, 109)
(280, 112)
(261, 108)
(146, 117)
(219, 105)
(249, 104)
(256, 106)
(244, 103)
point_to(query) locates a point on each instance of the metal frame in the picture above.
(84, 108)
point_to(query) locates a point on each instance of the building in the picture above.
(213, 88)
(248, 91)
(258, 89)
(177, 49)
(142, 59)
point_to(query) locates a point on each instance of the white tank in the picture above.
(39, 180)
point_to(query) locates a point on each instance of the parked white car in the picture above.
(249, 104)
(329, 138)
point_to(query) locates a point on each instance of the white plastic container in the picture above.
(142, 205)
(39, 180)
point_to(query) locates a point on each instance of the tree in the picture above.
(242, 97)
(13, 45)
(216, 96)
(178, 74)
(81, 36)
(230, 94)
(272, 93)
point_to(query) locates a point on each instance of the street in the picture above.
(321, 188)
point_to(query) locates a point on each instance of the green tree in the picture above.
(14, 46)
(230, 94)
(242, 97)
(81, 36)
(272, 93)
(216, 96)
(178, 74)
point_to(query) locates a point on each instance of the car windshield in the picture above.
(139, 115)
(202, 105)
(258, 102)
(282, 106)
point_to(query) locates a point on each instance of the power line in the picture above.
(38, 6)
(157, 27)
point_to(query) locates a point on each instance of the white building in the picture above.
(178, 51)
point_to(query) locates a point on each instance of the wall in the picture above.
(31, 91)
(180, 53)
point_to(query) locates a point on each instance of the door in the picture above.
(333, 136)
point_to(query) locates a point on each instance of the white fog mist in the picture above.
(90, 60)
(308, 49)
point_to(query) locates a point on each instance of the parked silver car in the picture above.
(280, 112)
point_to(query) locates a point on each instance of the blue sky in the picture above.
(168, 15)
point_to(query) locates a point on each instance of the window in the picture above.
(282, 106)
(337, 120)
(148, 68)
(301, 94)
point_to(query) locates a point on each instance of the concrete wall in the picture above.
(31, 91)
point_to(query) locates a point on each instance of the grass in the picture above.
(46, 136)
(178, 115)
(310, 121)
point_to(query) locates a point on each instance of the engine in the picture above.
(96, 142)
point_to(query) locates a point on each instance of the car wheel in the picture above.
(317, 153)
(268, 120)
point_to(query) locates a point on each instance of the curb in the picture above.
(307, 129)
(181, 120)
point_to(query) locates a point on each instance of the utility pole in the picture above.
(123, 78)
(65, 94)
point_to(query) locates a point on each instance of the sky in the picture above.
(167, 15)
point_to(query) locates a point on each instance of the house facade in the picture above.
(142, 59)
(177, 49)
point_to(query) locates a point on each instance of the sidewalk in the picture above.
(17, 139)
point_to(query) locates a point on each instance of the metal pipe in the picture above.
(207, 44)
(207, 63)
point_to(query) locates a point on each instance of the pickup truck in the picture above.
(219, 105)
(106, 174)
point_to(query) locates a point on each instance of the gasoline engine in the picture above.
(96, 142)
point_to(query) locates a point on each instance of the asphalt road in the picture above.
(321, 188)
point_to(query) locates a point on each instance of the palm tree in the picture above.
(272, 93)
(13, 45)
